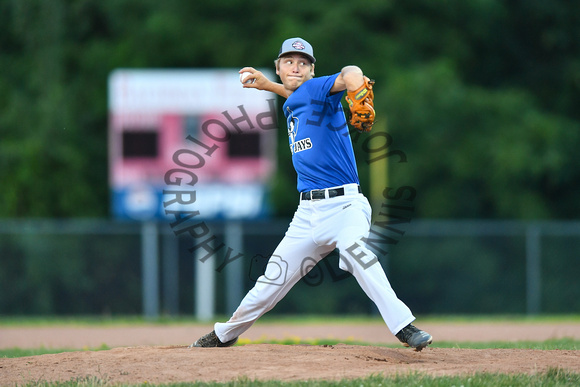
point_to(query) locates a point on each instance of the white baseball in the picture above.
(244, 75)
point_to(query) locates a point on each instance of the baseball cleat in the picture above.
(413, 337)
(211, 340)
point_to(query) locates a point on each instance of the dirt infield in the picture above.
(159, 354)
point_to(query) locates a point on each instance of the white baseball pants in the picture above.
(317, 228)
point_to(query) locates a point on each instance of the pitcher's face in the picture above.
(294, 70)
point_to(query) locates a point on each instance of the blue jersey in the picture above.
(320, 143)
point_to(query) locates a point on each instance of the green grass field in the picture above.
(553, 377)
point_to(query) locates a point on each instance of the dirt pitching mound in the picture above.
(140, 354)
(136, 365)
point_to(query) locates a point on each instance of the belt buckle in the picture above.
(312, 194)
(317, 191)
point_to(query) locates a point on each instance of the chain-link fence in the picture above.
(436, 267)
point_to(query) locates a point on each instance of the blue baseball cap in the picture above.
(299, 46)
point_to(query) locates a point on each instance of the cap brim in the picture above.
(312, 59)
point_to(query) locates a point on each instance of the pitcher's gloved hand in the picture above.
(361, 105)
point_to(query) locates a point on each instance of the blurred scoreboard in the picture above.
(199, 131)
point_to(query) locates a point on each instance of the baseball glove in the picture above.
(361, 105)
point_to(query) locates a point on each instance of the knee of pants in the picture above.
(357, 257)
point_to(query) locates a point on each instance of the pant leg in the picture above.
(363, 264)
(296, 254)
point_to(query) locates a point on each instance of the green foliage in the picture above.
(478, 153)
(481, 95)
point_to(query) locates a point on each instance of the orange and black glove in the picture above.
(361, 105)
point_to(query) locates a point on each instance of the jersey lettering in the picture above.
(301, 145)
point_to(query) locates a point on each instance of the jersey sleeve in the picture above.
(319, 88)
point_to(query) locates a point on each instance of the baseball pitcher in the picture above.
(332, 213)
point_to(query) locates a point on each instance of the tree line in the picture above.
(482, 96)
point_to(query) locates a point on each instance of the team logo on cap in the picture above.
(298, 45)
